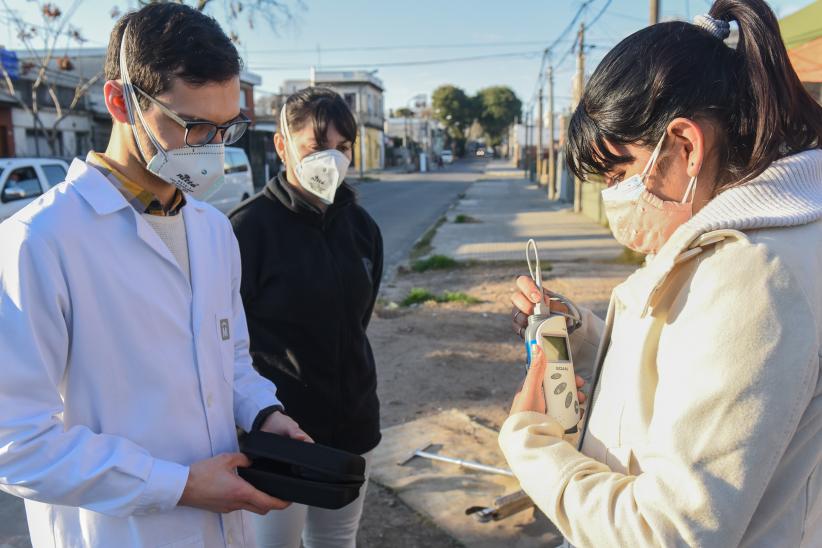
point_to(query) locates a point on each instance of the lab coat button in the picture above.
(209, 400)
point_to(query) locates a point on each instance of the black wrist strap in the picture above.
(263, 415)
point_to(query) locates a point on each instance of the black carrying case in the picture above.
(305, 473)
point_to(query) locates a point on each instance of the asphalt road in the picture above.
(406, 205)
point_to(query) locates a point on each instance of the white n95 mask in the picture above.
(320, 173)
(197, 171)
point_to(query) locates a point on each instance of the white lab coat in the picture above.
(116, 373)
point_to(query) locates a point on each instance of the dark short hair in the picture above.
(677, 69)
(320, 107)
(167, 41)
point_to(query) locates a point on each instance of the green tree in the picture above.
(498, 108)
(404, 112)
(456, 111)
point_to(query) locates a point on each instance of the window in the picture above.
(38, 145)
(243, 99)
(351, 100)
(55, 174)
(235, 161)
(82, 143)
(21, 184)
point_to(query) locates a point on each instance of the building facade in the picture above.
(88, 126)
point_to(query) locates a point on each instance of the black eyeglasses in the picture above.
(200, 132)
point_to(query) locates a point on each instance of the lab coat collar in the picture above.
(105, 199)
(95, 188)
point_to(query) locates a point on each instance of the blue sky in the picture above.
(396, 31)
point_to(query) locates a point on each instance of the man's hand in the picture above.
(213, 485)
(531, 396)
(277, 423)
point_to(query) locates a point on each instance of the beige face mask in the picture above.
(640, 220)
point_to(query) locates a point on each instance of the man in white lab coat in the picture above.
(125, 365)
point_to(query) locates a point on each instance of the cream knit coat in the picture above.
(706, 423)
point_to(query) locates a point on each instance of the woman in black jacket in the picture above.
(311, 267)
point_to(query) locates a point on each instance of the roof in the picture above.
(5, 98)
(249, 77)
(802, 26)
(336, 78)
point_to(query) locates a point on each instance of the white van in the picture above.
(238, 185)
(22, 180)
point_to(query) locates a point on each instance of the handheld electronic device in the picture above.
(549, 330)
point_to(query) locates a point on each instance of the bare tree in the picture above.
(274, 12)
(49, 68)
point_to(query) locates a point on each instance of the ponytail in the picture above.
(777, 116)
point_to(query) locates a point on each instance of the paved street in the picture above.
(405, 205)
(509, 210)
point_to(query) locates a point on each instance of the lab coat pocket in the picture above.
(225, 338)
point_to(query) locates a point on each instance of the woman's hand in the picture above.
(531, 396)
(277, 423)
(524, 299)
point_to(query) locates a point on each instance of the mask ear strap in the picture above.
(690, 192)
(653, 158)
(133, 105)
(287, 135)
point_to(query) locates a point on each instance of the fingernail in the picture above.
(536, 297)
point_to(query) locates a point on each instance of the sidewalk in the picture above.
(503, 210)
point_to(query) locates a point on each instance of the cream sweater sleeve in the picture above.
(736, 365)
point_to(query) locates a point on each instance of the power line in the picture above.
(547, 51)
(349, 49)
(523, 54)
(598, 15)
(587, 27)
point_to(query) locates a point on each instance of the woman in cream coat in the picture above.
(704, 420)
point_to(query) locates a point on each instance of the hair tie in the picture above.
(717, 27)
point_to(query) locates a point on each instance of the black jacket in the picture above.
(309, 284)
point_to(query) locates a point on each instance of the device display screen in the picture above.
(555, 348)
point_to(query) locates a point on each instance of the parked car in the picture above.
(238, 185)
(447, 157)
(22, 180)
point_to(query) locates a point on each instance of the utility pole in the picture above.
(563, 127)
(525, 150)
(552, 190)
(580, 87)
(540, 126)
(654, 12)
(361, 116)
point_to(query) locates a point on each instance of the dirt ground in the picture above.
(441, 356)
